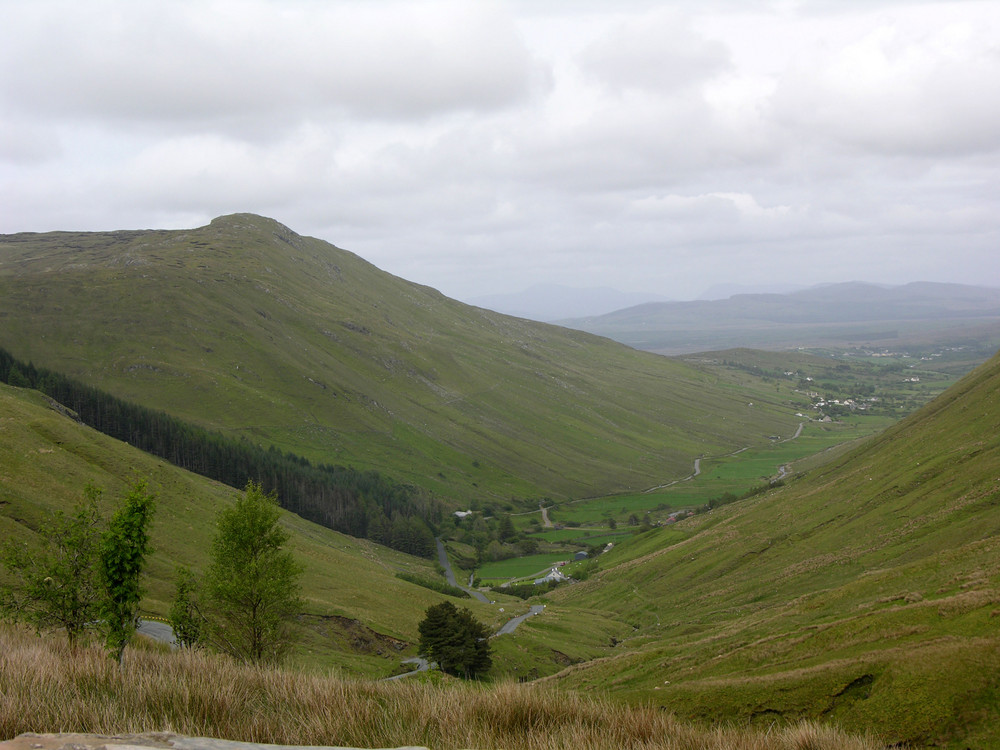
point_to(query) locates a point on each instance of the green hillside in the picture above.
(245, 326)
(350, 586)
(359, 615)
(866, 592)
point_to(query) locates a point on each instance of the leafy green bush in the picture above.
(440, 586)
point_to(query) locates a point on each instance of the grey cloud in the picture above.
(209, 61)
(478, 147)
(893, 93)
(643, 143)
(23, 142)
(658, 51)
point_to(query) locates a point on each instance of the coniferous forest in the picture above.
(363, 504)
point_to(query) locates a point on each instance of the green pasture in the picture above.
(560, 535)
(615, 537)
(734, 473)
(518, 567)
(581, 535)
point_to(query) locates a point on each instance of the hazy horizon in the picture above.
(483, 148)
(559, 303)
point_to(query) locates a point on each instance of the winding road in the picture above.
(689, 477)
(785, 469)
(162, 632)
(422, 666)
(449, 574)
(797, 433)
(508, 627)
(511, 625)
(697, 464)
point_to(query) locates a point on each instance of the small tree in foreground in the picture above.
(83, 575)
(185, 617)
(456, 640)
(252, 585)
(56, 586)
(124, 547)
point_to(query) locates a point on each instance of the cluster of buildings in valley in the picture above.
(890, 354)
(854, 404)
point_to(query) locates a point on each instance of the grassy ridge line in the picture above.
(876, 577)
(247, 327)
(49, 689)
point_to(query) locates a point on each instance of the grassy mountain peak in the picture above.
(245, 326)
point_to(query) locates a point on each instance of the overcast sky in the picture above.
(483, 147)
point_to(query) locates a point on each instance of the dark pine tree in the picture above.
(456, 640)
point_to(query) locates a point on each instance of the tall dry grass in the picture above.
(46, 687)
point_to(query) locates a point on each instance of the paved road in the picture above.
(688, 478)
(158, 631)
(422, 666)
(450, 575)
(511, 625)
(784, 469)
(797, 433)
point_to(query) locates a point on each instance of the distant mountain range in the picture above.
(835, 315)
(725, 291)
(551, 302)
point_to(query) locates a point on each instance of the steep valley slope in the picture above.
(358, 616)
(245, 326)
(866, 592)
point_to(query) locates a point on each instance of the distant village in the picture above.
(828, 405)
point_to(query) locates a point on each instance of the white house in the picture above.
(554, 575)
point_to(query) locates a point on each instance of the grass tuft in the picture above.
(49, 688)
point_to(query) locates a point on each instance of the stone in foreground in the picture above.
(161, 741)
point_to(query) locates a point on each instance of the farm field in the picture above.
(735, 474)
(817, 388)
(518, 567)
(580, 535)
